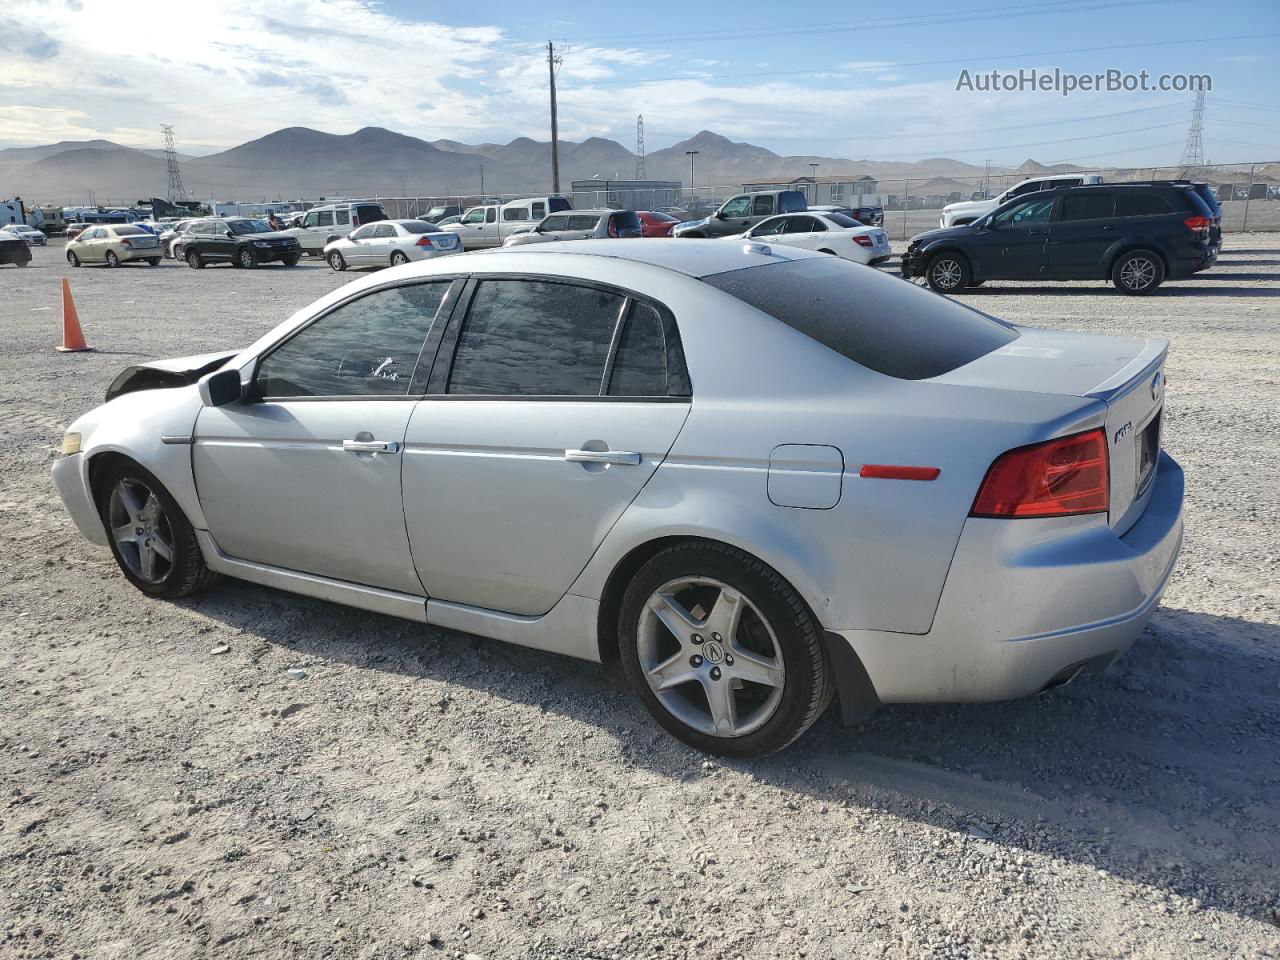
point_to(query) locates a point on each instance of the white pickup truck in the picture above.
(491, 224)
(967, 211)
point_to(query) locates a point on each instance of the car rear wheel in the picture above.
(151, 538)
(1138, 273)
(112, 259)
(398, 258)
(948, 272)
(72, 258)
(154, 261)
(194, 260)
(722, 651)
(246, 258)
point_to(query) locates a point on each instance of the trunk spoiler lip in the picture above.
(1147, 362)
(164, 374)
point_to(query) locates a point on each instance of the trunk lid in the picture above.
(1125, 373)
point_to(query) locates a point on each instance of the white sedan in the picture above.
(33, 236)
(390, 243)
(833, 233)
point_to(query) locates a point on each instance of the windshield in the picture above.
(241, 227)
(872, 318)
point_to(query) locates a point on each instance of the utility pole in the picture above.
(552, 62)
(1193, 151)
(814, 175)
(482, 181)
(691, 154)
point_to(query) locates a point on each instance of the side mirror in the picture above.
(228, 233)
(221, 388)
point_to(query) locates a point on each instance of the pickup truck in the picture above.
(490, 224)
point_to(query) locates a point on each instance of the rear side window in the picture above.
(583, 223)
(534, 338)
(874, 319)
(791, 200)
(343, 217)
(491, 215)
(369, 212)
(1087, 205)
(515, 213)
(1205, 192)
(649, 361)
(1135, 204)
(366, 347)
(762, 205)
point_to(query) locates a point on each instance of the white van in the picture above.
(333, 220)
(491, 224)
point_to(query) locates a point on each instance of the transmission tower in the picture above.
(177, 191)
(640, 147)
(1193, 152)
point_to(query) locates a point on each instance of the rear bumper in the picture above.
(1029, 603)
(71, 478)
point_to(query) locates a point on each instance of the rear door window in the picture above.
(583, 222)
(383, 231)
(491, 215)
(762, 205)
(874, 319)
(649, 361)
(342, 217)
(534, 338)
(366, 347)
(1087, 205)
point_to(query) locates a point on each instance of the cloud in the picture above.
(26, 39)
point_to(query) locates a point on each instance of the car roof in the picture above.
(693, 258)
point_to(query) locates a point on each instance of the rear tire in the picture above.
(337, 262)
(112, 259)
(1137, 273)
(948, 272)
(154, 261)
(131, 499)
(194, 260)
(772, 638)
(398, 258)
(290, 261)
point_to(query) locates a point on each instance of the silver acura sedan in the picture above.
(760, 477)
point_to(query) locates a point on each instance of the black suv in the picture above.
(1135, 235)
(240, 242)
(14, 250)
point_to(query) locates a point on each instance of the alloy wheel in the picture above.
(1137, 273)
(141, 530)
(946, 273)
(710, 657)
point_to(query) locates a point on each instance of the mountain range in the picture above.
(300, 162)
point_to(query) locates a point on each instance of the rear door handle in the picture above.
(370, 446)
(1036, 233)
(1109, 226)
(620, 458)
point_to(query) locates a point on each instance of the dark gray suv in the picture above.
(739, 213)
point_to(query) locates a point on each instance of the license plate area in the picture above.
(1148, 452)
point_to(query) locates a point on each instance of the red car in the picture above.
(654, 224)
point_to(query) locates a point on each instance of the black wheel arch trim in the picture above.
(854, 689)
(1136, 246)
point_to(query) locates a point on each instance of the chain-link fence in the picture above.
(1248, 193)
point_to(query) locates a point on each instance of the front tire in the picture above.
(151, 538)
(948, 272)
(72, 258)
(290, 261)
(722, 651)
(1137, 273)
(337, 262)
(246, 259)
(153, 261)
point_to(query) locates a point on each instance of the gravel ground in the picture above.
(173, 787)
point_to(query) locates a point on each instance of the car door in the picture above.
(733, 217)
(221, 243)
(771, 229)
(803, 231)
(471, 228)
(89, 249)
(538, 429)
(305, 474)
(384, 242)
(1082, 231)
(1014, 245)
(360, 244)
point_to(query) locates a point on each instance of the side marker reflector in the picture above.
(881, 471)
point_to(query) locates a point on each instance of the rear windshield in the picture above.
(129, 231)
(556, 204)
(880, 321)
(369, 213)
(1205, 193)
(626, 220)
(843, 220)
(661, 217)
(419, 226)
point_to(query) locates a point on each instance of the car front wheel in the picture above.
(948, 272)
(246, 258)
(722, 651)
(337, 262)
(151, 538)
(72, 258)
(1138, 273)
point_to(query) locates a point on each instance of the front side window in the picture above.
(552, 224)
(737, 207)
(367, 347)
(311, 220)
(534, 338)
(474, 216)
(362, 233)
(767, 228)
(762, 205)
(1086, 205)
(870, 317)
(1030, 214)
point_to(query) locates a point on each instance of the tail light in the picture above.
(355, 221)
(125, 242)
(1057, 478)
(423, 241)
(1198, 224)
(863, 241)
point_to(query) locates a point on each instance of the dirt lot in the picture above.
(425, 794)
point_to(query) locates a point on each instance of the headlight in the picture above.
(261, 243)
(70, 444)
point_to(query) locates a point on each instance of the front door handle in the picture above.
(620, 458)
(1036, 233)
(370, 446)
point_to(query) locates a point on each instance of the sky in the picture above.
(829, 78)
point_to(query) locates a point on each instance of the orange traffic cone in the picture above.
(72, 337)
